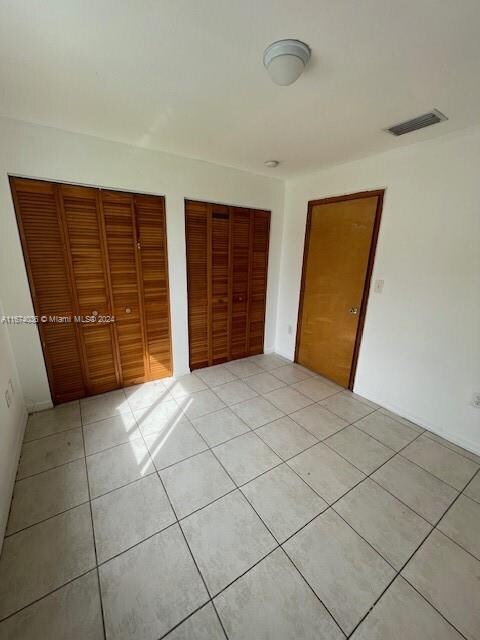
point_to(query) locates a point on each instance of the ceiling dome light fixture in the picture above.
(285, 60)
(271, 164)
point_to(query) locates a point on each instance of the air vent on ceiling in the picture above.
(419, 122)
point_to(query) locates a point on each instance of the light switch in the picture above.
(378, 286)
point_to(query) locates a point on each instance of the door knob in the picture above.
(354, 311)
(128, 310)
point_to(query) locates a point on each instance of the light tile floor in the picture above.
(253, 500)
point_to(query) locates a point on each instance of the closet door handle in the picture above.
(128, 310)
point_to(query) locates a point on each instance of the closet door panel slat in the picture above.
(220, 284)
(118, 215)
(258, 283)
(198, 284)
(83, 235)
(152, 240)
(241, 231)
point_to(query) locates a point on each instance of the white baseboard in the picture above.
(279, 352)
(11, 476)
(39, 406)
(454, 438)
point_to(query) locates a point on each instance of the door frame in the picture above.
(368, 277)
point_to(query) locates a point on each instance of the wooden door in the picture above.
(227, 261)
(85, 250)
(338, 259)
(43, 243)
(220, 305)
(151, 233)
(121, 243)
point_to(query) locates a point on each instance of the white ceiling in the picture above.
(186, 76)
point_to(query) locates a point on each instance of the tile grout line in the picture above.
(93, 530)
(190, 615)
(50, 435)
(279, 545)
(427, 601)
(46, 595)
(57, 466)
(176, 522)
(329, 505)
(432, 474)
(238, 488)
(185, 537)
(429, 434)
(379, 484)
(399, 572)
(54, 515)
(356, 532)
(454, 541)
(312, 589)
(404, 565)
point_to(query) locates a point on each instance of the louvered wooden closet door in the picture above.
(258, 281)
(42, 238)
(240, 248)
(86, 252)
(227, 261)
(198, 282)
(123, 261)
(152, 245)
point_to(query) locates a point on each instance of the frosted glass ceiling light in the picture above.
(285, 60)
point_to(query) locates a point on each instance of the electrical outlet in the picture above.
(378, 286)
(8, 399)
(476, 400)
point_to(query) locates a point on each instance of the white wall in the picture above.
(42, 152)
(12, 424)
(420, 354)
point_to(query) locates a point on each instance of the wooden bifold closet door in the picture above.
(227, 260)
(97, 260)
